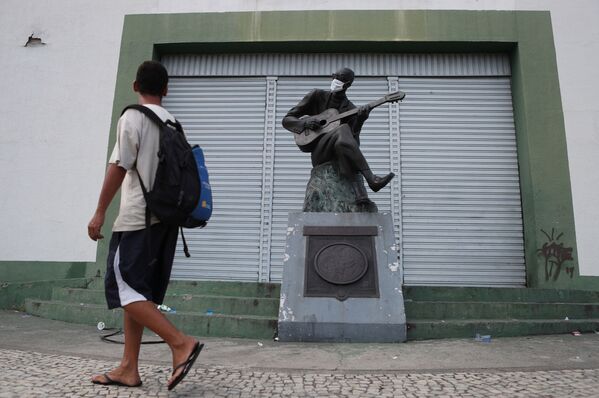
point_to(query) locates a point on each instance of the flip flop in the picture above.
(111, 382)
(186, 365)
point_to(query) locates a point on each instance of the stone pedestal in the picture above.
(341, 279)
(328, 191)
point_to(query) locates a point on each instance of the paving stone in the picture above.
(32, 374)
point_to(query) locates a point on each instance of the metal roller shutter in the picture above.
(456, 200)
(226, 117)
(461, 210)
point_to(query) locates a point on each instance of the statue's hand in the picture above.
(363, 111)
(311, 124)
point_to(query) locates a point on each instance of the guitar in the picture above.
(330, 119)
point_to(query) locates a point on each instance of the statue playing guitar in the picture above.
(327, 125)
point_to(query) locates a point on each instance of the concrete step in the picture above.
(215, 288)
(13, 294)
(217, 325)
(442, 329)
(446, 310)
(441, 293)
(194, 303)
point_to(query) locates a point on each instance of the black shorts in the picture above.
(136, 271)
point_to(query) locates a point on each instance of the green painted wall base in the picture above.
(14, 294)
(27, 271)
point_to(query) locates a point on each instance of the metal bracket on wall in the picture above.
(395, 159)
(268, 157)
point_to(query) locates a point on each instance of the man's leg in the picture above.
(351, 160)
(341, 146)
(145, 313)
(128, 256)
(127, 372)
(133, 335)
(348, 153)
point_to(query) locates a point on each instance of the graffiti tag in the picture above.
(555, 254)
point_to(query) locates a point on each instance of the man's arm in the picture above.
(292, 121)
(361, 116)
(112, 182)
(355, 122)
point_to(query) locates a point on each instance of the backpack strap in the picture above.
(185, 247)
(159, 122)
(148, 215)
(154, 117)
(146, 111)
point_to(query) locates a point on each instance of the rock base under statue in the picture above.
(328, 191)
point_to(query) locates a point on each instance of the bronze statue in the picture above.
(327, 124)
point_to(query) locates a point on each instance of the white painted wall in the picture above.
(57, 100)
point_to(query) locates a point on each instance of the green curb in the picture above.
(190, 323)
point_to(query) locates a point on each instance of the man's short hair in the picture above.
(152, 78)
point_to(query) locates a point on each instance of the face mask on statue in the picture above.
(336, 85)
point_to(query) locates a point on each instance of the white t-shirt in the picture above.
(136, 149)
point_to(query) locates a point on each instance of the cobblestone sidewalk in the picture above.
(33, 374)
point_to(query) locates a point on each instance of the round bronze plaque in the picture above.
(341, 263)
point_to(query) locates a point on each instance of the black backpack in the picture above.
(177, 186)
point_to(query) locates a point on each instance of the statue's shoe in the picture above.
(377, 183)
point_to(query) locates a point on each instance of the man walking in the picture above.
(137, 275)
